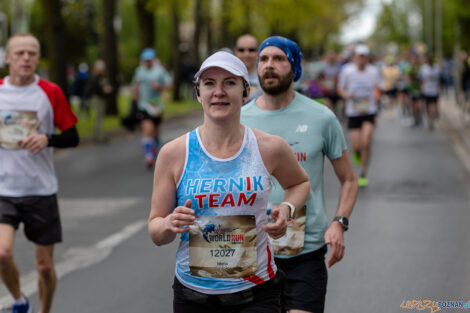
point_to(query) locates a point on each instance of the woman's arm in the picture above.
(164, 222)
(291, 176)
(280, 161)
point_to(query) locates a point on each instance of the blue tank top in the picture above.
(236, 186)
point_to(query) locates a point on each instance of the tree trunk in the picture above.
(208, 23)
(176, 56)
(54, 26)
(225, 39)
(247, 8)
(110, 54)
(146, 22)
(197, 30)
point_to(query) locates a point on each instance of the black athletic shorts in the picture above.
(430, 99)
(39, 215)
(357, 121)
(306, 280)
(263, 298)
(391, 93)
(143, 115)
(333, 97)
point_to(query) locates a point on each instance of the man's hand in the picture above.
(155, 86)
(334, 237)
(34, 143)
(181, 216)
(278, 228)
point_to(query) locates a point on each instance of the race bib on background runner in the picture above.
(292, 242)
(152, 107)
(361, 105)
(16, 125)
(223, 246)
(329, 84)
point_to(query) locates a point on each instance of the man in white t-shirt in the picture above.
(429, 76)
(358, 84)
(31, 109)
(246, 49)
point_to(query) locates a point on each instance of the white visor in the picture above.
(226, 61)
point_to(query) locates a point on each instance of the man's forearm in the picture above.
(347, 197)
(67, 139)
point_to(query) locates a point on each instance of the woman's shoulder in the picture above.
(173, 153)
(273, 149)
(269, 143)
(175, 147)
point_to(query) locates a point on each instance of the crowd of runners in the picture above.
(244, 191)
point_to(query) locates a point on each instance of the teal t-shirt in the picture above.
(313, 132)
(144, 76)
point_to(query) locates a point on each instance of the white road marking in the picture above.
(77, 258)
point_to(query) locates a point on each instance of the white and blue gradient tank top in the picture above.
(245, 177)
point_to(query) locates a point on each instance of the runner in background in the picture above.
(245, 49)
(313, 132)
(403, 85)
(329, 82)
(150, 80)
(429, 75)
(31, 109)
(358, 85)
(390, 75)
(415, 90)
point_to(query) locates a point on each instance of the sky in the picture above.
(362, 26)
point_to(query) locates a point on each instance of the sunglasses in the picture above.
(248, 49)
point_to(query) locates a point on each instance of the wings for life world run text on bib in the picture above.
(16, 125)
(223, 246)
(292, 242)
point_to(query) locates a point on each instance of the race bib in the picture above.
(152, 107)
(292, 242)
(16, 125)
(329, 84)
(361, 105)
(223, 246)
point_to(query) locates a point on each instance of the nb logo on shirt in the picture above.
(301, 128)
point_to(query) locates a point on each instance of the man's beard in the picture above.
(282, 85)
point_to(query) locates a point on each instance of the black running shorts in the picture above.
(306, 279)
(357, 121)
(39, 214)
(430, 100)
(143, 115)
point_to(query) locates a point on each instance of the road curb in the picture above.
(458, 133)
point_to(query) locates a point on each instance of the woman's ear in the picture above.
(198, 94)
(246, 91)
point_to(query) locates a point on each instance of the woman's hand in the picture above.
(279, 227)
(181, 216)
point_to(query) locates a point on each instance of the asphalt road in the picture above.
(408, 238)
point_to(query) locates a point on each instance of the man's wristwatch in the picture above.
(343, 220)
(291, 209)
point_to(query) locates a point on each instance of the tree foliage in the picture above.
(184, 31)
(393, 23)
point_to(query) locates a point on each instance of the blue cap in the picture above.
(148, 54)
(290, 48)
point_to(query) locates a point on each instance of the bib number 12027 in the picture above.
(221, 253)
